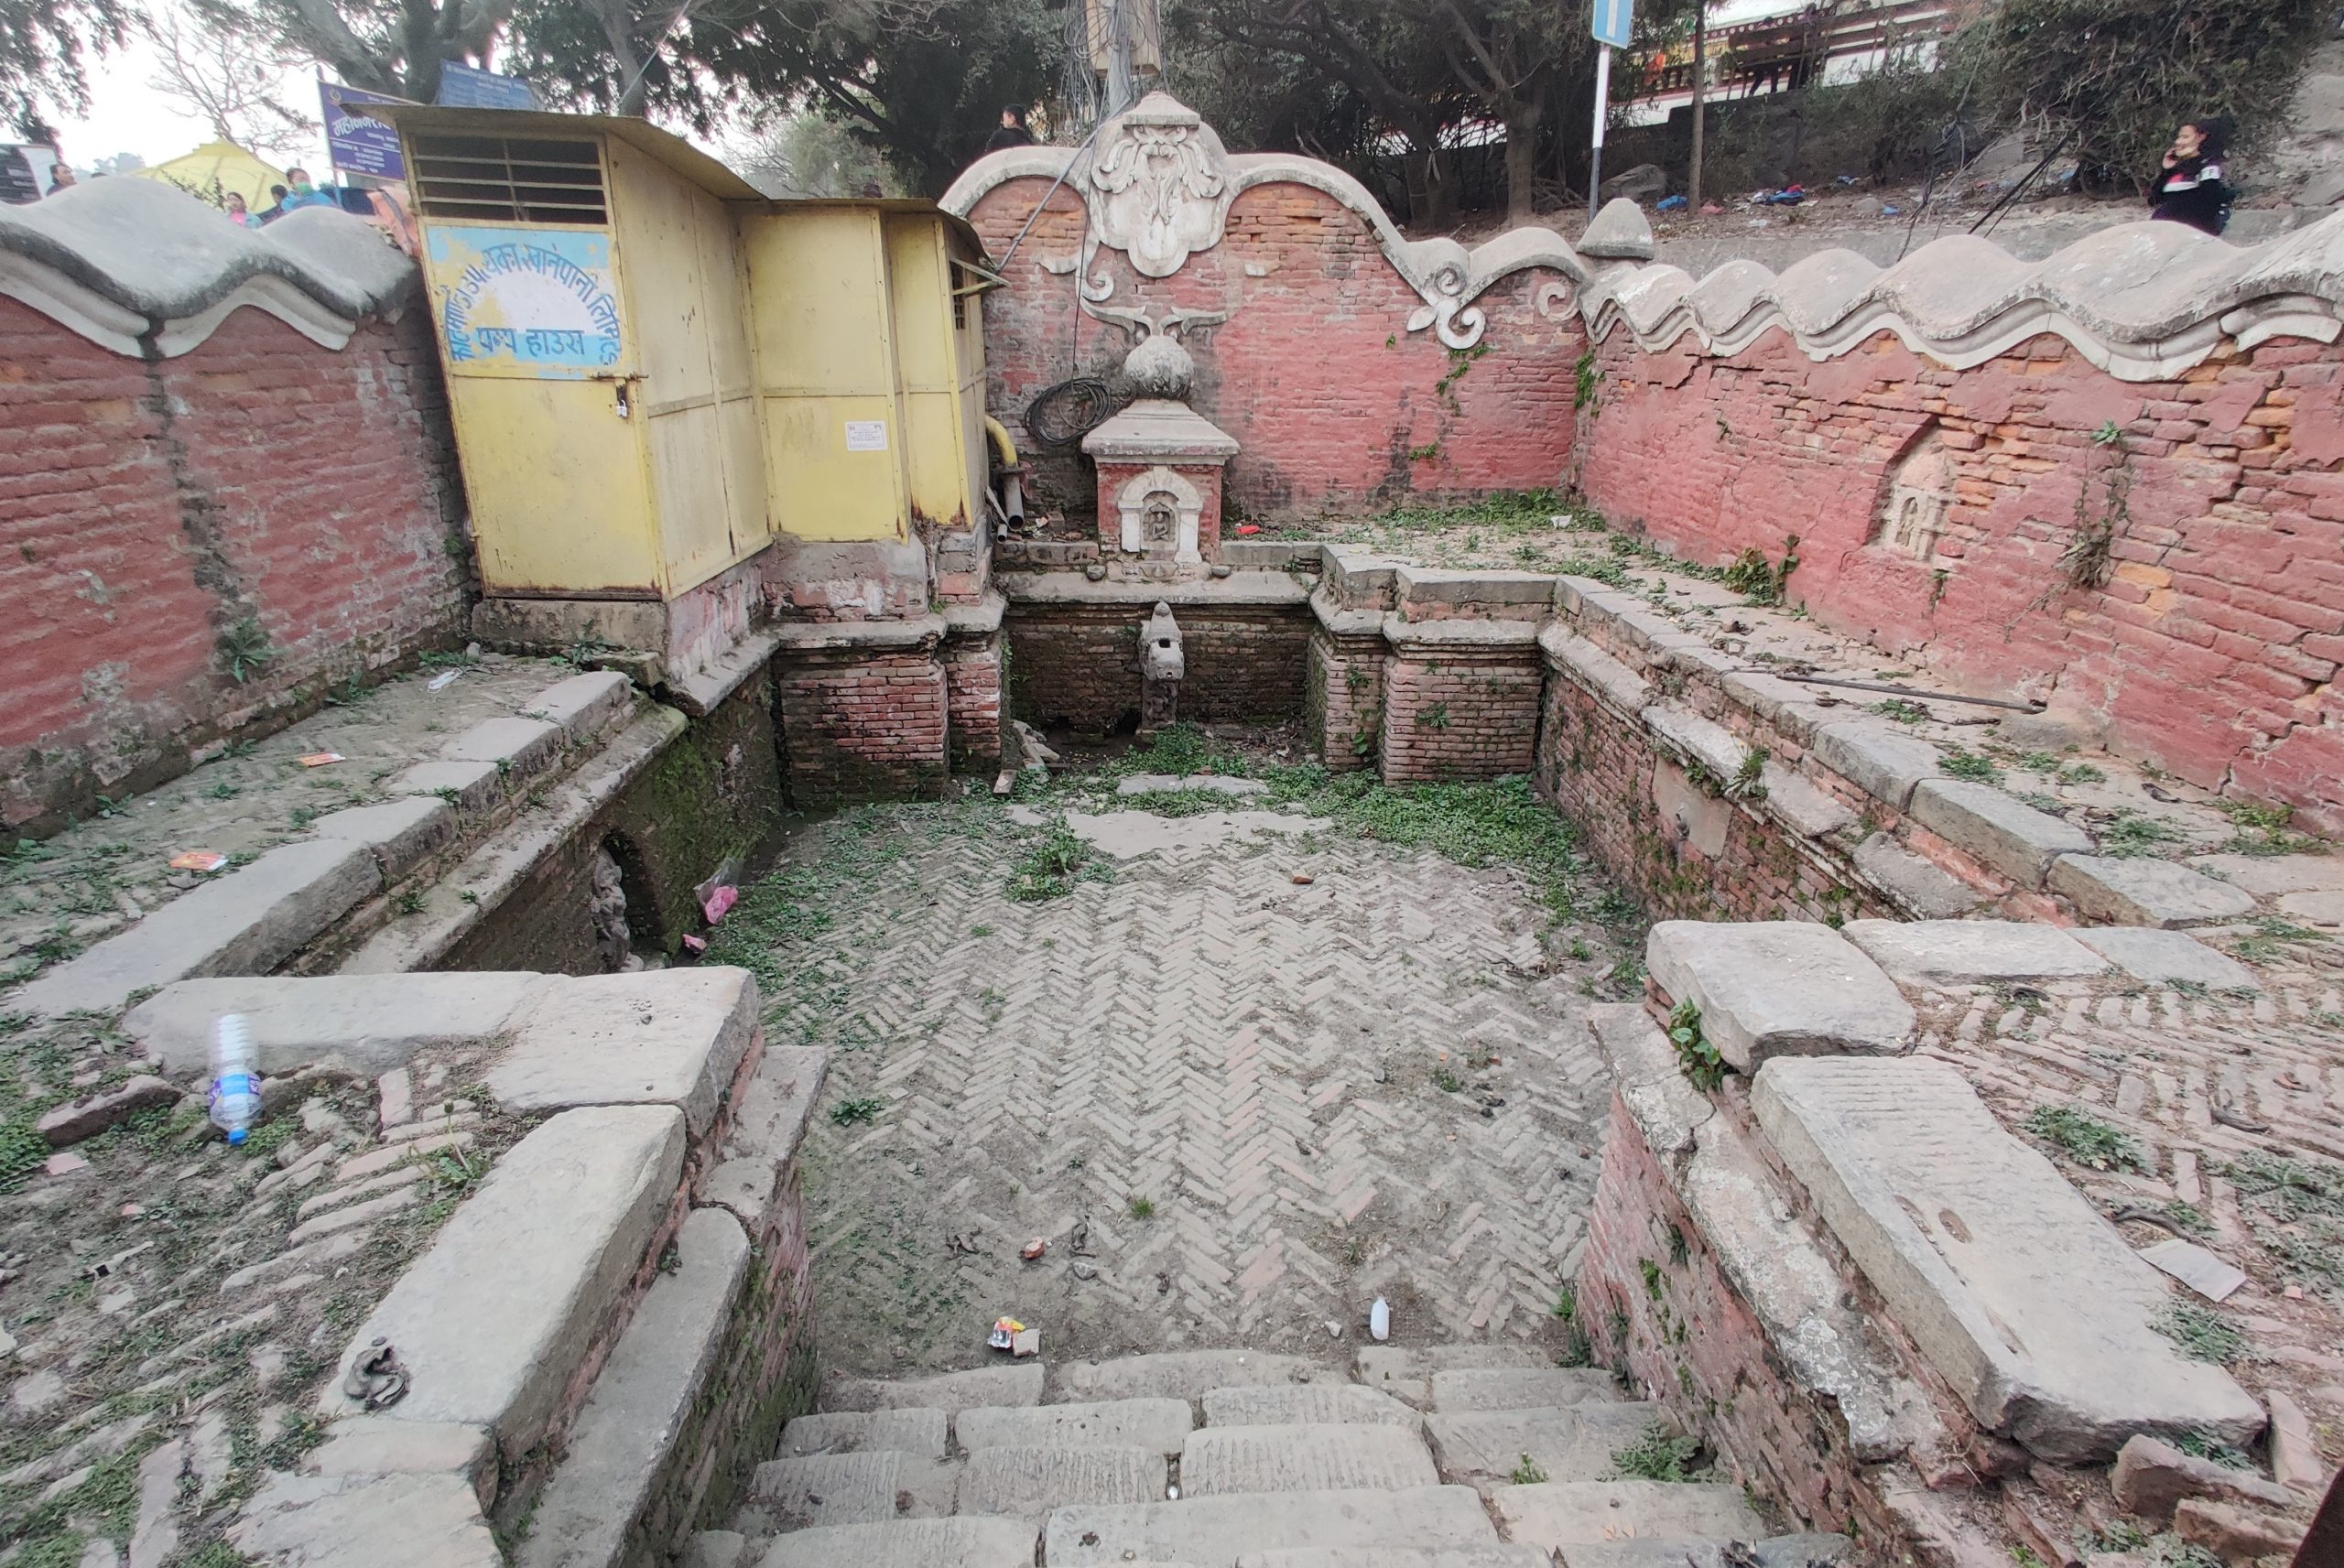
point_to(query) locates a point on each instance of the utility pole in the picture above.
(1700, 86)
(1613, 22)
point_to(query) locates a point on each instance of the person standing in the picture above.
(1012, 131)
(61, 177)
(303, 193)
(2190, 187)
(238, 214)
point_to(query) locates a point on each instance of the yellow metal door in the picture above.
(538, 385)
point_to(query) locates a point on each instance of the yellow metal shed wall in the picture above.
(819, 305)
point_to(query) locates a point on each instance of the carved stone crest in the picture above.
(1160, 188)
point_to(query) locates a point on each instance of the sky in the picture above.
(127, 114)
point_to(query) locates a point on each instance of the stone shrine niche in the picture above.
(1918, 496)
(1158, 513)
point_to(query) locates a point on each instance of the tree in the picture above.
(808, 154)
(383, 45)
(234, 85)
(45, 46)
(2112, 78)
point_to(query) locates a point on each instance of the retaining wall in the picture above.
(230, 484)
(1075, 648)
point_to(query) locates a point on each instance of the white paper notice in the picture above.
(866, 435)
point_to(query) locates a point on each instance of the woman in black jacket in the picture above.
(2190, 188)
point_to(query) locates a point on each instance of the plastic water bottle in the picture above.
(1379, 1320)
(236, 1078)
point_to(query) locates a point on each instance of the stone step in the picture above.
(1306, 1404)
(1030, 1482)
(1214, 1532)
(1177, 1374)
(1159, 1426)
(1407, 1373)
(1555, 1515)
(1399, 1557)
(919, 1431)
(905, 1543)
(1455, 1393)
(1573, 1443)
(951, 1392)
(1222, 1461)
(850, 1489)
(1779, 1551)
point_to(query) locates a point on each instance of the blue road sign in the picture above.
(468, 87)
(357, 143)
(1612, 21)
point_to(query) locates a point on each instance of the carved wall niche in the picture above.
(1159, 512)
(1916, 501)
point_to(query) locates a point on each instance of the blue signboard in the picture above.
(532, 302)
(357, 143)
(1614, 20)
(468, 87)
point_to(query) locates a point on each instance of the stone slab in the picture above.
(496, 1316)
(1029, 1482)
(1707, 742)
(2160, 956)
(1914, 881)
(247, 923)
(1594, 668)
(1971, 952)
(620, 1444)
(921, 1432)
(716, 1549)
(1220, 1461)
(1405, 1372)
(517, 748)
(1982, 1251)
(1399, 1557)
(2268, 876)
(660, 1037)
(402, 833)
(1159, 1426)
(1178, 1375)
(1213, 1532)
(869, 1488)
(368, 1023)
(2322, 906)
(1785, 988)
(1219, 784)
(1808, 810)
(367, 1521)
(1306, 1404)
(950, 1392)
(1558, 1514)
(2006, 834)
(2126, 892)
(471, 788)
(1884, 761)
(583, 704)
(1573, 1443)
(909, 1543)
(1464, 1391)
(370, 1446)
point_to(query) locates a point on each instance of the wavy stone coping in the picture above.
(120, 260)
(254, 919)
(1984, 1252)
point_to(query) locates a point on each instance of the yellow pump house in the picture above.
(654, 371)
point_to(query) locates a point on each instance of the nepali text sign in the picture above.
(357, 143)
(525, 302)
(1613, 21)
(468, 87)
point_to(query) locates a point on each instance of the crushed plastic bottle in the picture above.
(236, 1078)
(1379, 1320)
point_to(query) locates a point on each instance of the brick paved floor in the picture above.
(1255, 1059)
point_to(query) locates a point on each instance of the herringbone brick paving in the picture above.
(1254, 1057)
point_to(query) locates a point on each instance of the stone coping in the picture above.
(821, 636)
(1237, 590)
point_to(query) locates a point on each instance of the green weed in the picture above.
(847, 1112)
(1958, 763)
(2201, 1335)
(2083, 1140)
(1901, 710)
(1658, 1455)
(1051, 868)
(1695, 1054)
(1527, 1473)
(2128, 835)
(1141, 1208)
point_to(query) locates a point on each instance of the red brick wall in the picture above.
(1333, 400)
(2213, 649)
(860, 723)
(1080, 664)
(973, 694)
(1458, 715)
(145, 509)
(1345, 698)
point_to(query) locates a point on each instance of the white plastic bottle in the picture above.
(236, 1078)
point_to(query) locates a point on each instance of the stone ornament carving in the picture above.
(1159, 186)
(1160, 513)
(1920, 493)
(1162, 667)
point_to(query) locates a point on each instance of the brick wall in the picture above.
(860, 723)
(148, 510)
(2213, 648)
(1334, 401)
(1344, 699)
(1457, 715)
(1080, 664)
(972, 699)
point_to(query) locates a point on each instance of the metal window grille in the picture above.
(509, 178)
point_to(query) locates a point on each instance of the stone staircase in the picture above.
(1458, 1457)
